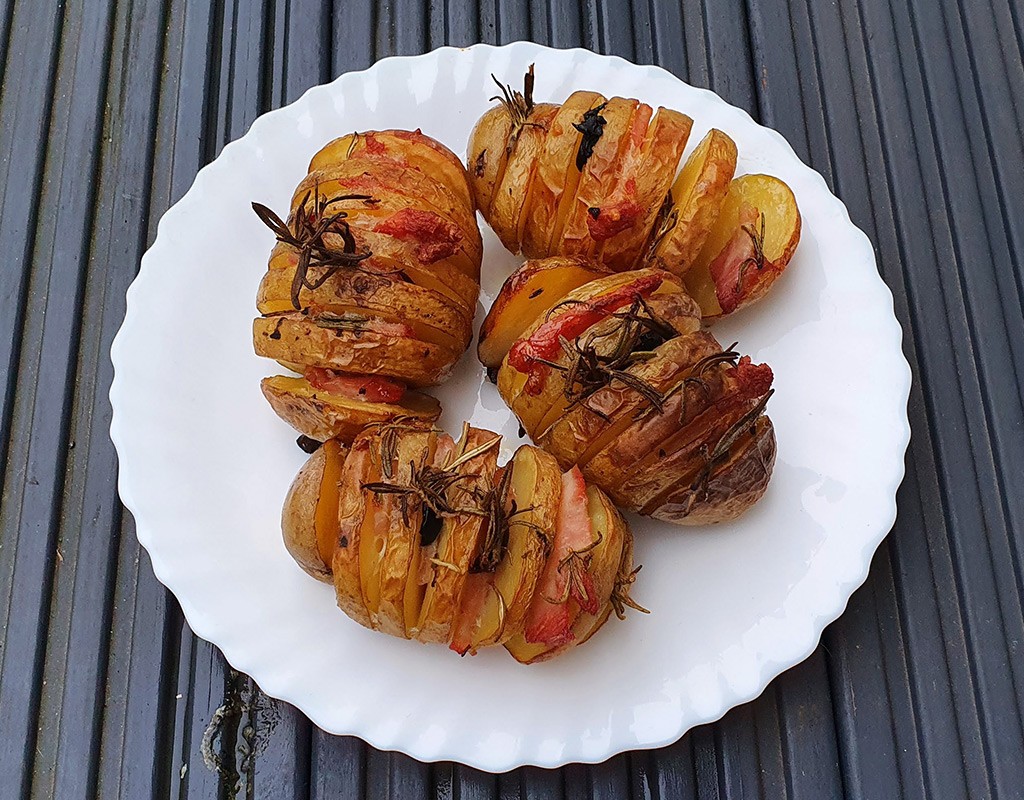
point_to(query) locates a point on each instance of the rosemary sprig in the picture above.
(307, 235)
(714, 456)
(757, 261)
(349, 321)
(638, 332)
(578, 583)
(620, 598)
(518, 105)
(501, 516)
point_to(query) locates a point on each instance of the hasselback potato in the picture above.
(372, 285)
(428, 538)
(595, 178)
(613, 375)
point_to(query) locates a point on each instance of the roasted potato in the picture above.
(309, 519)
(748, 247)
(324, 414)
(375, 273)
(359, 344)
(639, 398)
(429, 539)
(596, 178)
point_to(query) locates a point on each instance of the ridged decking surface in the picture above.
(913, 112)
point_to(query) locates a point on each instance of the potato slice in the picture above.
(529, 387)
(386, 183)
(440, 277)
(352, 506)
(440, 452)
(759, 213)
(424, 309)
(506, 215)
(610, 531)
(730, 488)
(599, 173)
(297, 339)
(324, 415)
(487, 155)
(496, 607)
(527, 294)
(589, 426)
(459, 540)
(309, 519)
(405, 148)
(696, 199)
(662, 449)
(633, 204)
(397, 532)
(556, 177)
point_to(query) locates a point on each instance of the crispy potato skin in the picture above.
(295, 339)
(487, 155)
(299, 514)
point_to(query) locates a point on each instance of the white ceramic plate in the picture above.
(204, 463)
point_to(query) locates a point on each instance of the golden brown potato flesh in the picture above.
(697, 197)
(598, 172)
(357, 345)
(748, 247)
(556, 176)
(512, 195)
(602, 563)
(475, 457)
(309, 519)
(403, 148)
(627, 215)
(324, 415)
(352, 508)
(526, 295)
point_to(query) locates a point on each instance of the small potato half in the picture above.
(309, 519)
(748, 247)
(697, 197)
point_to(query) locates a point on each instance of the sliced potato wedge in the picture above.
(476, 458)
(556, 176)
(696, 199)
(527, 294)
(748, 247)
(352, 506)
(405, 148)
(506, 215)
(309, 519)
(294, 338)
(599, 171)
(487, 155)
(638, 194)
